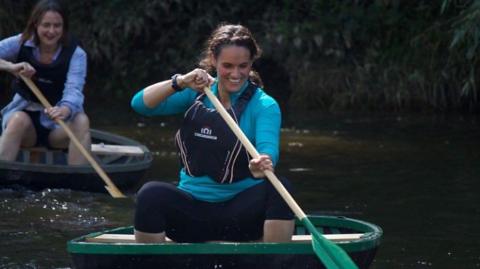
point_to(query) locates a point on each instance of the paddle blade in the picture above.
(331, 255)
(114, 192)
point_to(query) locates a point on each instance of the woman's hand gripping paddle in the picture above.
(331, 255)
(111, 188)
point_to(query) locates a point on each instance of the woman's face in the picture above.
(50, 29)
(233, 65)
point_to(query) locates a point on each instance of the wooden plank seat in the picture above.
(117, 149)
(45, 155)
(111, 153)
(130, 238)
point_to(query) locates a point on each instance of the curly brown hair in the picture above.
(227, 35)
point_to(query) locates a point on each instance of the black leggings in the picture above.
(163, 207)
(42, 132)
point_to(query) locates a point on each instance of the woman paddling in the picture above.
(222, 193)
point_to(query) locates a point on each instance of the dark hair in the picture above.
(226, 35)
(36, 16)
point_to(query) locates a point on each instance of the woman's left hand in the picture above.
(196, 79)
(260, 164)
(57, 112)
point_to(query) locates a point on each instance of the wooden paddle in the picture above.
(332, 256)
(111, 188)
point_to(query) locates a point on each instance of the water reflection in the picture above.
(415, 177)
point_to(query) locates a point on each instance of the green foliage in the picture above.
(333, 55)
(465, 44)
(383, 55)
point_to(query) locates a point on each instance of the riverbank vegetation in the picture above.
(363, 55)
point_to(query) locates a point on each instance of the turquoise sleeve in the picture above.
(268, 132)
(138, 105)
(174, 104)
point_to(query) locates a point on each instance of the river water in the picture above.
(416, 177)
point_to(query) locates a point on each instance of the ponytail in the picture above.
(255, 78)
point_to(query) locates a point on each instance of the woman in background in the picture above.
(56, 63)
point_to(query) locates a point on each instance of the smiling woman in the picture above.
(49, 31)
(46, 53)
(222, 194)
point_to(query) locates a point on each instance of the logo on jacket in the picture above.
(44, 80)
(205, 132)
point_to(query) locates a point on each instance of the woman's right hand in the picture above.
(158, 92)
(22, 68)
(258, 165)
(196, 79)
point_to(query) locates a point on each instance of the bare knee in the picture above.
(81, 123)
(19, 122)
(20, 128)
(278, 230)
(142, 237)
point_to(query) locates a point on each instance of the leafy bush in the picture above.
(318, 54)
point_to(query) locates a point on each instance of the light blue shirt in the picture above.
(72, 93)
(260, 121)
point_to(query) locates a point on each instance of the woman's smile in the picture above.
(233, 66)
(50, 29)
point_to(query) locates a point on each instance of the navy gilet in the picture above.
(50, 78)
(206, 144)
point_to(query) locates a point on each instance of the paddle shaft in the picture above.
(331, 255)
(254, 153)
(111, 188)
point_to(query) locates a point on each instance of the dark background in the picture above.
(383, 55)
